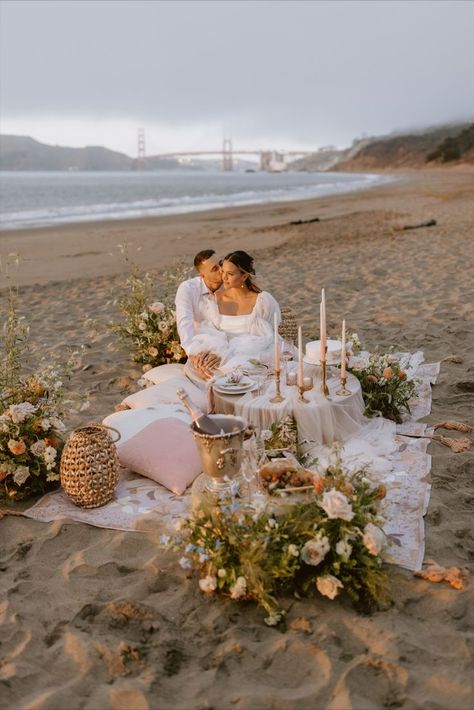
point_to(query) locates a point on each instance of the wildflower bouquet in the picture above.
(32, 408)
(149, 326)
(386, 389)
(331, 543)
(282, 435)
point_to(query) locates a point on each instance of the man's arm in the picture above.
(185, 314)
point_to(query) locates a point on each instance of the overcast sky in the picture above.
(267, 74)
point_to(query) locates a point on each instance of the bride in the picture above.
(239, 320)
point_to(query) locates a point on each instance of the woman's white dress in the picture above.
(238, 339)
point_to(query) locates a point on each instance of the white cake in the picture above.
(313, 352)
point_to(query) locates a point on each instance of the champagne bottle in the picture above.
(202, 422)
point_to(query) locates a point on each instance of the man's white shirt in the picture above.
(192, 299)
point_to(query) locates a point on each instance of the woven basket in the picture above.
(288, 327)
(90, 466)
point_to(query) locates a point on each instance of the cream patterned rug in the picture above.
(140, 503)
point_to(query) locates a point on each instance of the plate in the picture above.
(245, 385)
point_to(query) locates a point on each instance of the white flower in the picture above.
(4, 423)
(238, 589)
(45, 424)
(142, 326)
(272, 523)
(58, 424)
(274, 618)
(185, 563)
(50, 455)
(164, 539)
(329, 586)
(221, 573)
(38, 448)
(314, 551)
(208, 584)
(336, 505)
(359, 362)
(153, 351)
(373, 538)
(156, 307)
(19, 412)
(52, 476)
(21, 474)
(293, 550)
(266, 434)
(343, 548)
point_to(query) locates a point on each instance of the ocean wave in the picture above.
(150, 207)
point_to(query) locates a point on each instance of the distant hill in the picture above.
(455, 148)
(410, 150)
(24, 153)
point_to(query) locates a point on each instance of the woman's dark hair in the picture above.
(244, 262)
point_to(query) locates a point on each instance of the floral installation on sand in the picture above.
(386, 388)
(148, 327)
(331, 544)
(32, 411)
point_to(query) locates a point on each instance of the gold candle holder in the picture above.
(301, 397)
(343, 391)
(324, 387)
(277, 398)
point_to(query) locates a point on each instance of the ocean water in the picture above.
(36, 199)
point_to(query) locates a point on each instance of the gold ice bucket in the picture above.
(221, 454)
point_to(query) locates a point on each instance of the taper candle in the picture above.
(323, 323)
(276, 342)
(343, 350)
(300, 357)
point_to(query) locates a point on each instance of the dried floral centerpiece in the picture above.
(148, 326)
(332, 543)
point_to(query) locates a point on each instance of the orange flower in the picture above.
(17, 447)
(402, 374)
(388, 373)
(318, 483)
(372, 378)
(347, 489)
(380, 492)
(52, 441)
(3, 474)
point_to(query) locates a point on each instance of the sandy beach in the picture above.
(97, 619)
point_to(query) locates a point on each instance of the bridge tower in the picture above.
(227, 154)
(141, 154)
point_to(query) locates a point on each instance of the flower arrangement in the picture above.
(282, 435)
(331, 544)
(149, 326)
(386, 389)
(32, 409)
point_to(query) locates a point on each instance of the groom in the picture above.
(190, 300)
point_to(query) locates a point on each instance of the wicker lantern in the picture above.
(90, 466)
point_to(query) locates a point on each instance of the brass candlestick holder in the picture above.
(324, 387)
(301, 397)
(343, 391)
(277, 398)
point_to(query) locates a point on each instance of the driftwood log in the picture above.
(305, 221)
(404, 227)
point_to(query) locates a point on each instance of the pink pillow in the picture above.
(164, 451)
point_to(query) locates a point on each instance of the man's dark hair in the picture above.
(201, 256)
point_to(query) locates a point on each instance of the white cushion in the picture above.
(165, 393)
(162, 373)
(131, 421)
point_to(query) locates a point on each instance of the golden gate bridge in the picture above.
(269, 160)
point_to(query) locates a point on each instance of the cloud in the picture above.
(292, 73)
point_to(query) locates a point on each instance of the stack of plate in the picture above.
(246, 384)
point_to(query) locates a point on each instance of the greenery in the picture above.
(453, 147)
(331, 543)
(32, 409)
(386, 389)
(148, 327)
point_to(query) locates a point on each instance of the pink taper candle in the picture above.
(343, 350)
(276, 342)
(300, 357)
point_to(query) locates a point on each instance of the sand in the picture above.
(103, 619)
